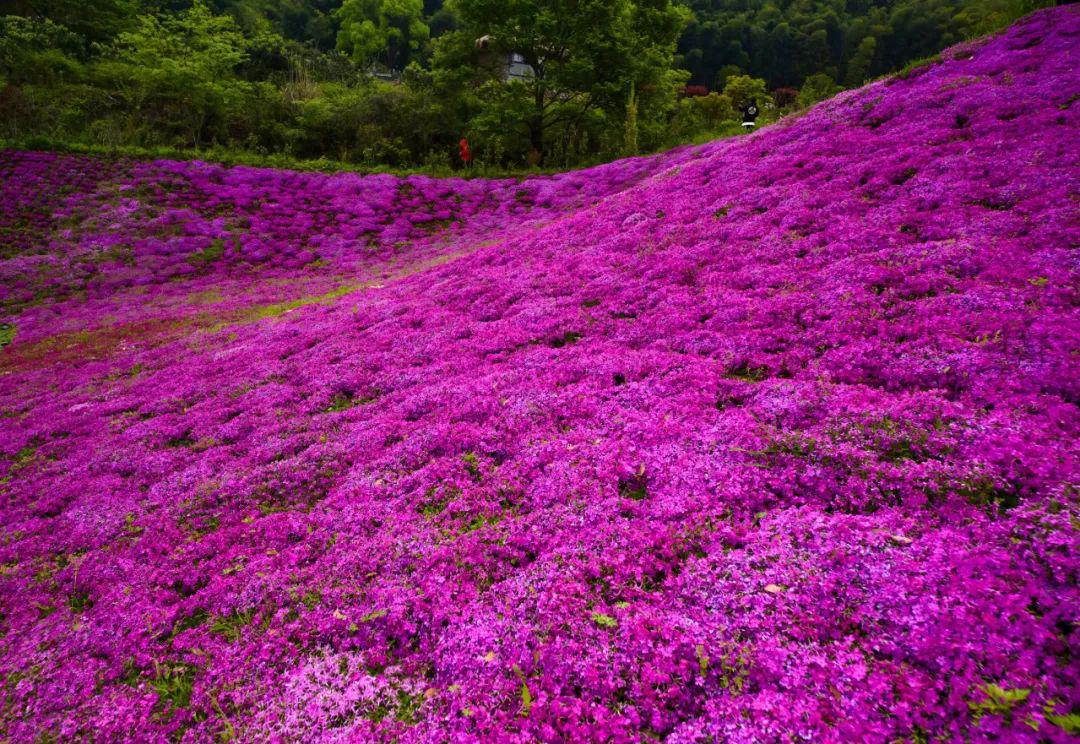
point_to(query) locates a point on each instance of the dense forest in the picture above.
(400, 83)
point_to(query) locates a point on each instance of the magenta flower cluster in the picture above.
(773, 439)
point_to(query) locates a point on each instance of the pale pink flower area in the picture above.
(771, 439)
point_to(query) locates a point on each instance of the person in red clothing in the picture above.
(466, 154)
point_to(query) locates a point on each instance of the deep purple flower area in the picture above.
(772, 439)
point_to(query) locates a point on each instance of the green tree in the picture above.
(387, 31)
(36, 50)
(700, 116)
(817, 88)
(95, 20)
(630, 134)
(178, 72)
(786, 41)
(726, 72)
(858, 69)
(742, 89)
(991, 15)
(715, 107)
(584, 54)
(263, 75)
(39, 68)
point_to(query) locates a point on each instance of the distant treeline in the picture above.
(400, 83)
(851, 41)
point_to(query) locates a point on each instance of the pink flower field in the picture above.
(770, 439)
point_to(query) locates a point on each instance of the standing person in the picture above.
(464, 152)
(749, 115)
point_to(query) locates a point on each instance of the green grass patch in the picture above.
(209, 255)
(231, 626)
(605, 621)
(173, 682)
(916, 67)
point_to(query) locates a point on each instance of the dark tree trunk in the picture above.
(536, 126)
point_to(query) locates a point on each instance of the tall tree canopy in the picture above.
(584, 54)
(387, 31)
(786, 41)
(180, 70)
(293, 77)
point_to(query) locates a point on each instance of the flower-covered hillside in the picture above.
(773, 439)
(96, 232)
